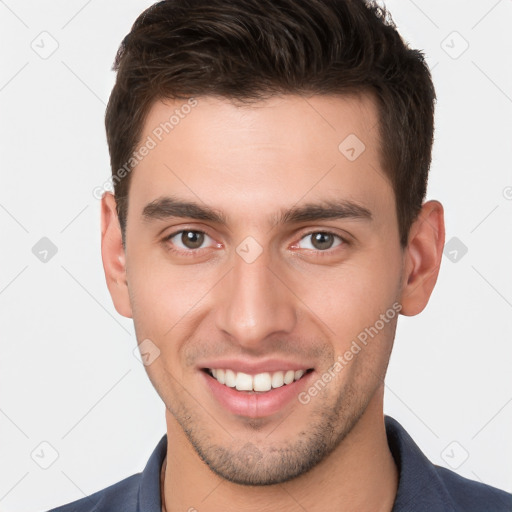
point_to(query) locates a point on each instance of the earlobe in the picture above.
(113, 256)
(423, 258)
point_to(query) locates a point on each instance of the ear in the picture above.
(422, 258)
(113, 256)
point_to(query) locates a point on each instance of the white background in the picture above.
(68, 375)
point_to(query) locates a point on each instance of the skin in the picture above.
(295, 301)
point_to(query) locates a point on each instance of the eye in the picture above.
(188, 239)
(320, 241)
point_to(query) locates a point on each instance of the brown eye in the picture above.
(320, 241)
(188, 240)
(192, 239)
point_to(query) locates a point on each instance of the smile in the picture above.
(256, 395)
(261, 382)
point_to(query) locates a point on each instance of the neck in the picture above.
(360, 474)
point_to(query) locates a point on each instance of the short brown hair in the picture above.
(249, 50)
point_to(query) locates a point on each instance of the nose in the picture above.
(255, 303)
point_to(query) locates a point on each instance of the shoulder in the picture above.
(139, 492)
(426, 487)
(468, 495)
(122, 495)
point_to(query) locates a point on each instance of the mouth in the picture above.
(258, 383)
(256, 395)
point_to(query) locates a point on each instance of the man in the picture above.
(270, 163)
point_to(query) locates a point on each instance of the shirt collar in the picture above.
(419, 487)
(149, 486)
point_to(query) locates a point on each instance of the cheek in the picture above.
(352, 297)
(162, 293)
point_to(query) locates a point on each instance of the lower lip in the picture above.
(256, 405)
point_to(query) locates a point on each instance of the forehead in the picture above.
(249, 158)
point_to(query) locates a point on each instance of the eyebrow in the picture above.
(168, 207)
(325, 210)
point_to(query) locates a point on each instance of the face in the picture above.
(258, 250)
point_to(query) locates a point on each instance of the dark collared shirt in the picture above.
(423, 487)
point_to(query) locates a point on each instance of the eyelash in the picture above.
(193, 252)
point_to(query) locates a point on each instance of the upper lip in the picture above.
(255, 367)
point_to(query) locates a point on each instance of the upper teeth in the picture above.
(259, 382)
